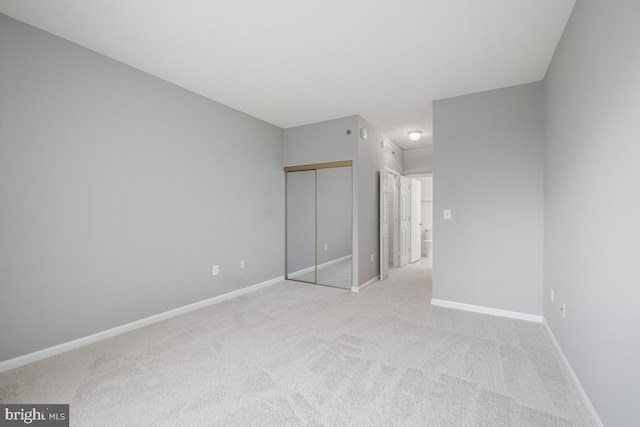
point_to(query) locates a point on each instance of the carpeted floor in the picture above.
(296, 354)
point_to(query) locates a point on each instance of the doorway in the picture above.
(426, 228)
(402, 220)
(424, 237)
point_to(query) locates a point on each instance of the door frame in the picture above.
(430, 245)
(415, 220)
(392, 221)
(315, 167)
(404, 258)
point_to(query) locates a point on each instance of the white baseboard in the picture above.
(118, 330)
(364, 285)
(487, 310)
(574, 377)
(531, 318)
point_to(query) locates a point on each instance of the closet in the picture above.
(319, 224)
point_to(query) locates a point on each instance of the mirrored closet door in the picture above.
(319, 224)
(301, 226)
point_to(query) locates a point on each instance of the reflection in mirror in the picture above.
(301, 226)
(334, 224)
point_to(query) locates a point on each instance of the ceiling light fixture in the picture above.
(414, 135)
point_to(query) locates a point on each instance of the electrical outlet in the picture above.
(551, 294)
(325, 246)
(564, 311)
(242, 264)
(371, 257)
(215, 270)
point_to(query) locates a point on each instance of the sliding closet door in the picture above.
(334, 220)
(301, 226)
(320, 223)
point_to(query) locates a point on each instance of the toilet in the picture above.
(428, 243)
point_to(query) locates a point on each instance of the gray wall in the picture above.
(368, 203)
(322, 142)
(329, 142)
(119, 192)
(392, 156)
(488, 169)
(335, 220)
(326, 142)
(592, 205)
(418, 161)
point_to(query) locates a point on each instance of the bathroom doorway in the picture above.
(405, 218)
(426, 227)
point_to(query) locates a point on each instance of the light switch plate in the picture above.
(446, 214)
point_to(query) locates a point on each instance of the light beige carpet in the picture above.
(296, 354)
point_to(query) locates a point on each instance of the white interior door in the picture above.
(384, 225)
(394, 217)
(416, 219)
(404, 232)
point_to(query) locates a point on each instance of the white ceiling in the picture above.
(294, 62)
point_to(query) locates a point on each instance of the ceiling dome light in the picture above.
(414, 135)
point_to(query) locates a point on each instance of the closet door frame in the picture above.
(314, 167)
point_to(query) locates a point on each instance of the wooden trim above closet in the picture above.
(315, 166)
